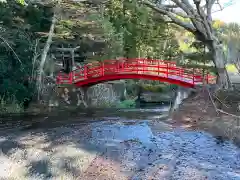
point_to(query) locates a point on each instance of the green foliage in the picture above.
(22, 2)
(127, 104)
(153, 88)
(10, 105)
(132, 30)
(128, 28)
(194, 54)
(170, 87)
(230, 35)
(114, 39)
(164, 87)
(17, 46)
(132, 88)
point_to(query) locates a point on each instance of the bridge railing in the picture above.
(161, 68)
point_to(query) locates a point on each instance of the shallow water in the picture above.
(159, 109)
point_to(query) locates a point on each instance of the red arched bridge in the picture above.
(108, 70)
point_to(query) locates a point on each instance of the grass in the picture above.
(10, 105)
(126, 104)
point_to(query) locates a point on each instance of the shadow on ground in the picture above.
(113, 148)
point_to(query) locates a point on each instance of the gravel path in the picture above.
(117, 150)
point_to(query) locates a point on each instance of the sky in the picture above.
(230, 13)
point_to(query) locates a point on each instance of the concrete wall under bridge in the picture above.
(70, 95)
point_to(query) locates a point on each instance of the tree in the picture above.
(18, 46)
(144, 33)
(196, 18)
(231, 38)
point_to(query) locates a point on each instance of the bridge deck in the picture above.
(107, 70)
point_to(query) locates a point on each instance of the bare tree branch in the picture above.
(209, 5)
(205, 21)
(170, 15)
(11, 49)
(200, 25)
(185, 6)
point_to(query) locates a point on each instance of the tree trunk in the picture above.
(219, 61)
(44, 53)
(237, 62)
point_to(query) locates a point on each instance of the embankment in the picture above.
(198, 112)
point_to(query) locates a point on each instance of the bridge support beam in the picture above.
(84, 96)
(139, 99)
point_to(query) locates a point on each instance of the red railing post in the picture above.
(85, 71)
(117, 62)
(203, 75)
(70, 77)
(193, 77)
(207, 77)
(102, 69)
(57, 79)
(121, 66)
(73, 76)
(137, 66)
(143, 66)
(167, 69)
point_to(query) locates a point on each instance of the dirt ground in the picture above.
(116, 150)
(198, 112)
(124, 145)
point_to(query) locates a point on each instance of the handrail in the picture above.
(141, 66)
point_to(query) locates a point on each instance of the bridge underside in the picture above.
(92, 81)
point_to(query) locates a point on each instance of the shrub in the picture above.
(127, 104)
(10, 105)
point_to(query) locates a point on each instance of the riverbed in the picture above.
(134, 144)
